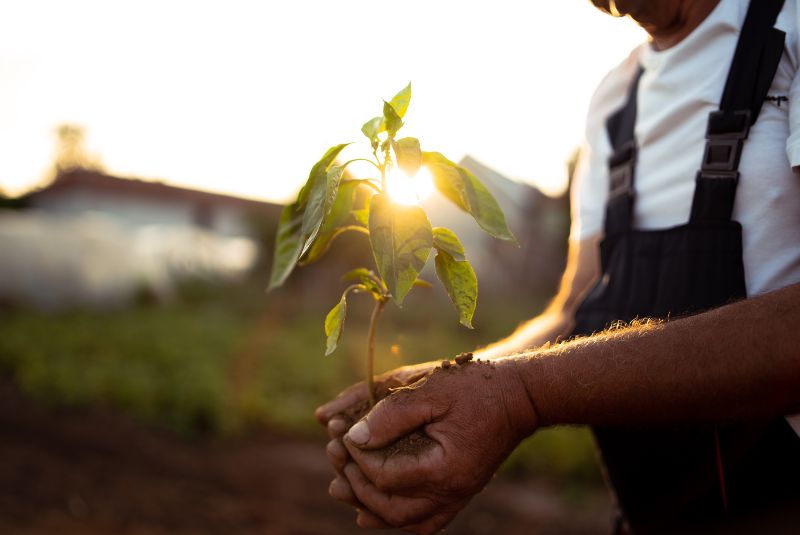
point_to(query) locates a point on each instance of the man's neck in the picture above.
(668, 27)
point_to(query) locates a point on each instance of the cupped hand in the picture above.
(334, 415)
(421, 454)
(357, 393)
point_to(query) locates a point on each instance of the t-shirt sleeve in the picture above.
(793, 141)
(589, 188)
(590, 183)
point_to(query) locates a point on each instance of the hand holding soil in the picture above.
(346, 404)
(421, 454)
(350, 406)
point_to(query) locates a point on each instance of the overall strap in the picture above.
(755, 62)
(622, 163)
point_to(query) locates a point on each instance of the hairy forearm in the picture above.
(736, 363)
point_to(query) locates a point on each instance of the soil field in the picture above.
(91, 471)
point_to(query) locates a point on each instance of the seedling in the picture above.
(400, 235)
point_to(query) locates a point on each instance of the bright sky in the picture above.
(243, 97)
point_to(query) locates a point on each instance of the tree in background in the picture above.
(71, 151)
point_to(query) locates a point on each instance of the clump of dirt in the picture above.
(412, 444)
(463, 358)
(355, 412)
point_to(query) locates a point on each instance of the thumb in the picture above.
(392, 418)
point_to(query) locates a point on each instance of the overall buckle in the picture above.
(621, 166)
(725, 137)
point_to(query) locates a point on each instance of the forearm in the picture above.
(736, 363)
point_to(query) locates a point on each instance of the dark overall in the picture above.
(693, 479)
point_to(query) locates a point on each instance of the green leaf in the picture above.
(372, 128)
(320, 203)
(323, 243)
(393, 120)
(422, 283)
(334, 324)
(368, 279)
(401, 239)
(401, 101)
(318, 172)
(288, 244)
(292, 231)
(446, 240)
(339, 220)
(357, 274)
(318, 194)
(409, 155)
(468, 193)
(460, 283)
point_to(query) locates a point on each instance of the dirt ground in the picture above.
(89, 471)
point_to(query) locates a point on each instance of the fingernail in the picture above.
(359, 433)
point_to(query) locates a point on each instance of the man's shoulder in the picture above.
(611, 91)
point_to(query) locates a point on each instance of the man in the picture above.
(689, 413)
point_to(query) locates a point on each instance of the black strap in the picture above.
(622, 163)
(740, 92)
(755, 62)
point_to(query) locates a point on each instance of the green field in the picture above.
(225, 360)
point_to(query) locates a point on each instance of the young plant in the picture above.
(400, 235)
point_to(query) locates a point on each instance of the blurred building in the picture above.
(90, 239)
(140, 203)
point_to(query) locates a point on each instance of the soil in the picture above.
(91, 471)
(463, 358)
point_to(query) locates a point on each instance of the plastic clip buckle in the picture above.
(621, 167)
(725, 137)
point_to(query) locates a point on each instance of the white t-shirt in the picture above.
(679, 88)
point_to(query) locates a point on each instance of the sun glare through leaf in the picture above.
(406, 189)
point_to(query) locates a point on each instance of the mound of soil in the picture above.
(91, 471)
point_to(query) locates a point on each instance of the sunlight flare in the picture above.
(406, 189)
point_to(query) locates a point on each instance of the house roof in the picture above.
(84, 179)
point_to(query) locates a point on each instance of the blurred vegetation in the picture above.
(12, 203)
(225, 359)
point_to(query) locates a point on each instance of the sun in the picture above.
(406, 189)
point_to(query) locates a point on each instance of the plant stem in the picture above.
(373, 327)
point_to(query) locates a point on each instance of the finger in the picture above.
(392, 418)
(348, 397)
(393, 509)
(337, 427)
(367, 520)
(337, 454)
(341, 490)
(433, 524)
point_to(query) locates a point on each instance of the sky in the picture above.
(243, 97)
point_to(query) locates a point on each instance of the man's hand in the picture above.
(334, 415)
(423, 452)
(357, 393)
